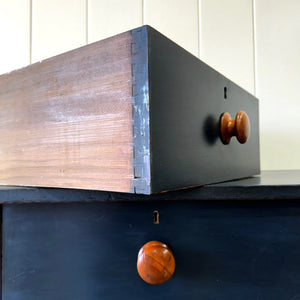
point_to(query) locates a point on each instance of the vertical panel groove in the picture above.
(254, 48)
(143, 12)
(87, 22)
(30, 32)
(200, 27)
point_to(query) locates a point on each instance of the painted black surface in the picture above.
(140, 111)
(271, 185)
(186, 102)
(233, 250)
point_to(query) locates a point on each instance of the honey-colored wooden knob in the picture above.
(240, 127)
(155, 262)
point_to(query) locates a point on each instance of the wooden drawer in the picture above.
(133, 113)
(223, 250)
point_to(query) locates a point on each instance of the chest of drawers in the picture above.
(236, 240)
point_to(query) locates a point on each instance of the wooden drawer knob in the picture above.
(240, 127)
(155, 262)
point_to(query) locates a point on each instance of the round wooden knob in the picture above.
(240, 127)
(155, 262)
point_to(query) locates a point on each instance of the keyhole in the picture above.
(225, 92)
(156, 217)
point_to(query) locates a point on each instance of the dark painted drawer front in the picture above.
(186, 102)
(223, 250)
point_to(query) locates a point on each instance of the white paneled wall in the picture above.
(255, 43)
(227, 39)
(110, 17)
(278, 81)
(14, 34)
(177, 19)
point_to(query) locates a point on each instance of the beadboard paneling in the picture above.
(57, 26)
(110, 17)
(177, 19)
(278, 81)
(227, 39)
(15, 34)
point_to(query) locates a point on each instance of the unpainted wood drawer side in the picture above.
(67, 121)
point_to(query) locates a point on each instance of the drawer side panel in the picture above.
(67, 121)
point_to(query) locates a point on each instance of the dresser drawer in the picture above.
(133, 113)
(222, 250)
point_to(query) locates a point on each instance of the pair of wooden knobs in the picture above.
(155, 262)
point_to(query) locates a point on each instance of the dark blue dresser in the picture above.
(235, 240)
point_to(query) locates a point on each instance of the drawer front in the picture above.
(187, 99)
(89, 250)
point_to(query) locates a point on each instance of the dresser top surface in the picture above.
(270, 185)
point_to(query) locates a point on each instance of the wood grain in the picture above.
(155, 262)
(67, 121)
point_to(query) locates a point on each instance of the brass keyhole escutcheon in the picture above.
(155, 217)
